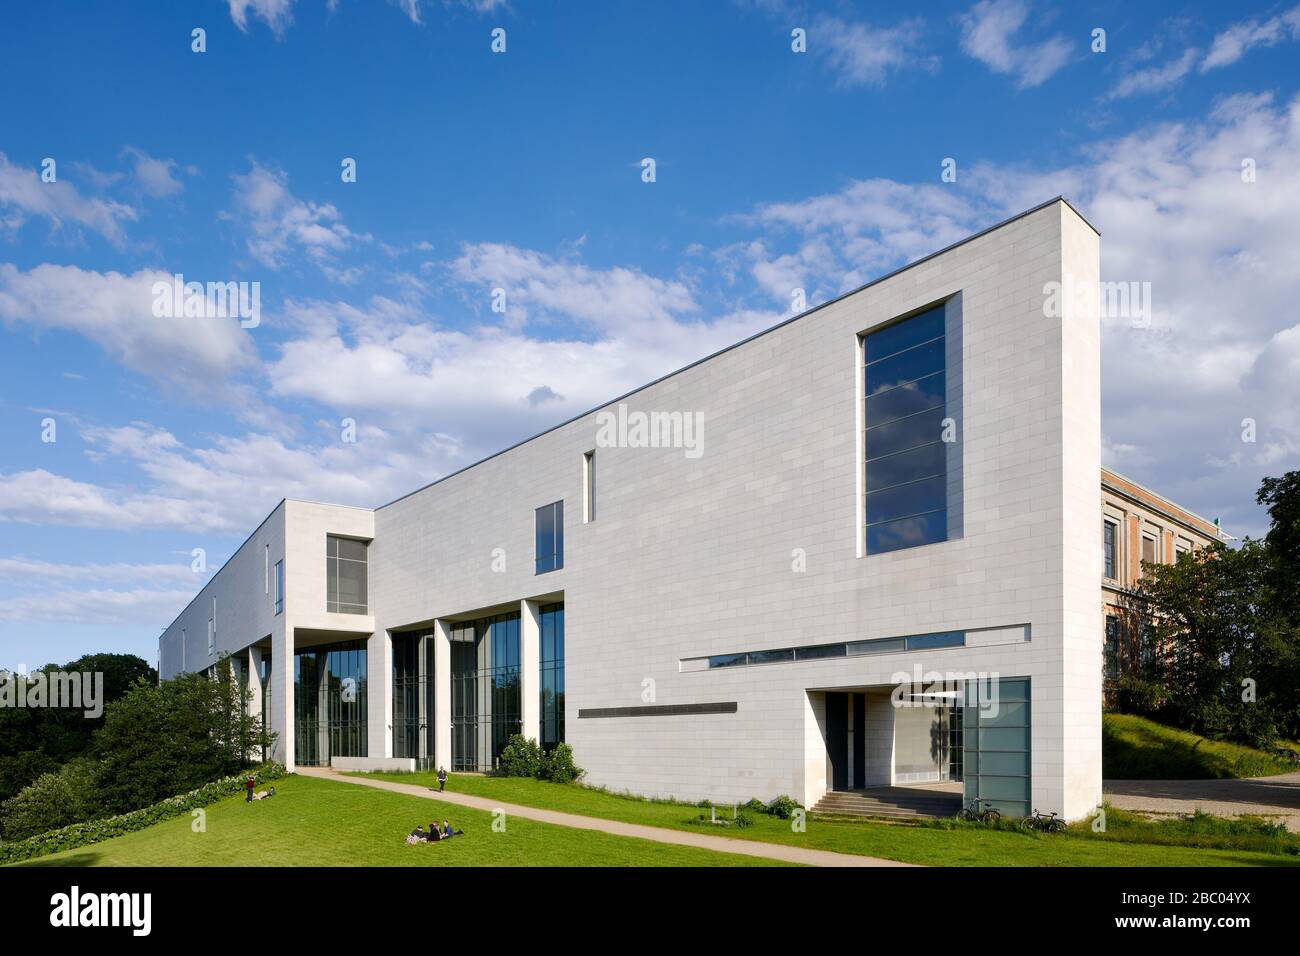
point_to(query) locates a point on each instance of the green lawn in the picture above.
(312, 822)
(942, 844)
(1134, 748)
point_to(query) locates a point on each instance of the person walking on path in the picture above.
(442, 778)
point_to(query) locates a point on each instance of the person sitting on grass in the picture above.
(434, 833)
(448, 832)
(416, 836)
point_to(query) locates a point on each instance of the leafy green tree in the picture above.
(35, 741)
(1220, 652)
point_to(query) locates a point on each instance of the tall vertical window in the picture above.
(345, 575)
(552, 667)
(212, 636)
(266, 570)
(485, 690)
(550, 537)
(1108, 548)
(413, 696)
(279, 586)
(1148, 549)
(589, 487)
(1111, 650)
(906, 457)
(330, 703)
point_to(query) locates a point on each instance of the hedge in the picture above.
(94, 831)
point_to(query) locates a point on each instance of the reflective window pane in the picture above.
(902, 335)
(885, 405)
(907, 532)
(905, 367)
(924, 462)
(905, 433)
(913, 498)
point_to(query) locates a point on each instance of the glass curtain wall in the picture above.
(552, 675)
(485, 698)
(330, 698)
(413, 692)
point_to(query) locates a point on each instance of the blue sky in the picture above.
(522, 170)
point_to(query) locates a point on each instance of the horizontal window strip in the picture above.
(785, 655)
(660, 710)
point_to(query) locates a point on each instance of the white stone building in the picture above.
(891, 498)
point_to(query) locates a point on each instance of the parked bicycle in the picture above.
(1043, 822)
(980, 810)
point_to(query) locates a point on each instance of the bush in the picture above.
(743, 820)
(521, 758)
(83, 834)
(53, 800)
(783, 807)
(755, 806)
(558, 767)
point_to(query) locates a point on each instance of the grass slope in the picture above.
(1134, 748)
(944, 843)
(313, 822)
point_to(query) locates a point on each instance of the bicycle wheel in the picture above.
(965, 815)
(991, 816)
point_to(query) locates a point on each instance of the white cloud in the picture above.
(116, 312)
(276, 14)
(155, 176)
(1157, 79)
(987, 30)
(1240, 38)
(863, 55)
(281, 226)
(96, 606)
(1224, 343)
(36, 571)
(23, 195)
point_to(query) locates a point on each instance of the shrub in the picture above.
(53, 800)
(83, 834)
(783, 807)
(521, 758)
(743, 819)
(755, 806)
(557, 765)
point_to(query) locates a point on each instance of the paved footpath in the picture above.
(1277, 797)
(703, 841)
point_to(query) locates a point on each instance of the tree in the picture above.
(1224, 652)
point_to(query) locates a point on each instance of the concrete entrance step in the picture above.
(890, 802)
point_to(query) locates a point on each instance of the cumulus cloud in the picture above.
(279, 225)
(23, 195)
(116, 312)
(987, 32)
(157, 177)
(1240, 38)
(860, 54)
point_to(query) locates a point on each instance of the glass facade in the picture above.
(550, 537)
(996, 735)
(906, 458)
(329, 698)
(413, 697)
(345, 575)
(552, 675)
(485, 695)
